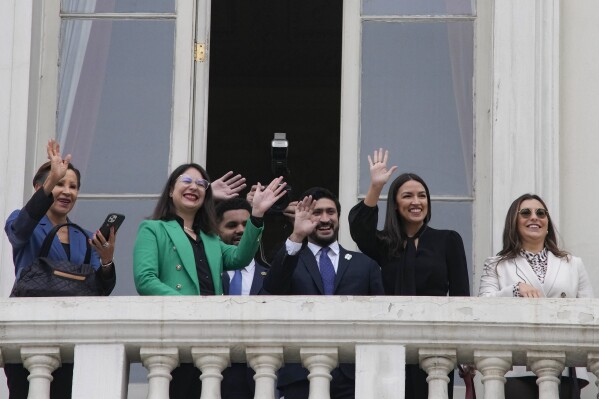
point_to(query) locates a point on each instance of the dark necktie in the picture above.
(327, 272)
(235, 286)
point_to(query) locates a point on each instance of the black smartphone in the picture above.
(113, 219)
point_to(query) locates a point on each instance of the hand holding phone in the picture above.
(113, 219)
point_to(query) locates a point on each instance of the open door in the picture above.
(275, 67)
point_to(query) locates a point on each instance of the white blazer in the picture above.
(565, 278)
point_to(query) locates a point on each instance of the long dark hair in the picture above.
(205, 217)
(394, 230)
(512, 243)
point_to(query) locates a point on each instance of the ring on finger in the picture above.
(106, 244)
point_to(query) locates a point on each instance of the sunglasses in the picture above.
(187, 180)
(527, 212)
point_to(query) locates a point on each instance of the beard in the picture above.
(323, 241)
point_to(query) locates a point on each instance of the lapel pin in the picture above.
(348, 256)
(263, 273)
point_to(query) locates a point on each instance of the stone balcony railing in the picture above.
(103, 335)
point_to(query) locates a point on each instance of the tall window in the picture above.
(416, 99)
(115, 108)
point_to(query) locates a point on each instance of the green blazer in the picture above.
(163, 261)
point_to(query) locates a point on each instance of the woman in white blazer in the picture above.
(531, 265)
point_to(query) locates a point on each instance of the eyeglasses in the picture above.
(187, 180)
(527, 212)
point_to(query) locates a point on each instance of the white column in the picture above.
(320, 362)
(211, 361)
(41, 362)
(493, 365)
(380, 371)
(548, 367)
(111, 372)
(159, 362)
(265, 361)
(437, 363)
(525, 121)
(593, 365)
(16, 19)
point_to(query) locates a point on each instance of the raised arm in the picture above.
(227, 186)
(265, 197)
(379, 175)
(279, 279)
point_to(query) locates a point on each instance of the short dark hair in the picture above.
(319, 192)
(394, 230)
(231, 204)
(42, 174)
(205, 217)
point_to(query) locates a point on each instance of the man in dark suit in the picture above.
(232, 215)
(313, 263)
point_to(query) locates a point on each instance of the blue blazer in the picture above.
(26, 235)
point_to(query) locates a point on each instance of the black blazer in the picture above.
(441, 267)
(298, 274)
(259, 275)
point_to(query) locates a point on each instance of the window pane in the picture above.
(446, 216)
(416, 100)
(91, 6)
(418, 7)
(115, 100)
(90, 214)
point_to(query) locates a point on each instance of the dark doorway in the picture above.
(275, 66)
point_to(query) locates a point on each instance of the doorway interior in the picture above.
(275, 66)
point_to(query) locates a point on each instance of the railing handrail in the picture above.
(462, 323)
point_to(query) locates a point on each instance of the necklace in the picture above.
(188, 229)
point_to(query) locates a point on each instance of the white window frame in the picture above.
(44, 115)
(350, 157)
(516, 113)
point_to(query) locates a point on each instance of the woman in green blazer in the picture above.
(178, 251)
(182, 232)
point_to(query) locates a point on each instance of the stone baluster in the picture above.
(548, 367)
(493, 365)
(593, 365)
(437, 363)
(159, 362)
(41, 362)
(265, 361)
(380, 371)
(211, 361)
(320, 362)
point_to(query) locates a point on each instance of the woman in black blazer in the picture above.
(415, 259)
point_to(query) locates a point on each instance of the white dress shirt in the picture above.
(294, 247)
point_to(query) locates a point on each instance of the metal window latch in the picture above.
(199, 52)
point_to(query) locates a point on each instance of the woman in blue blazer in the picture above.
(178, 251)
(56, 184)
